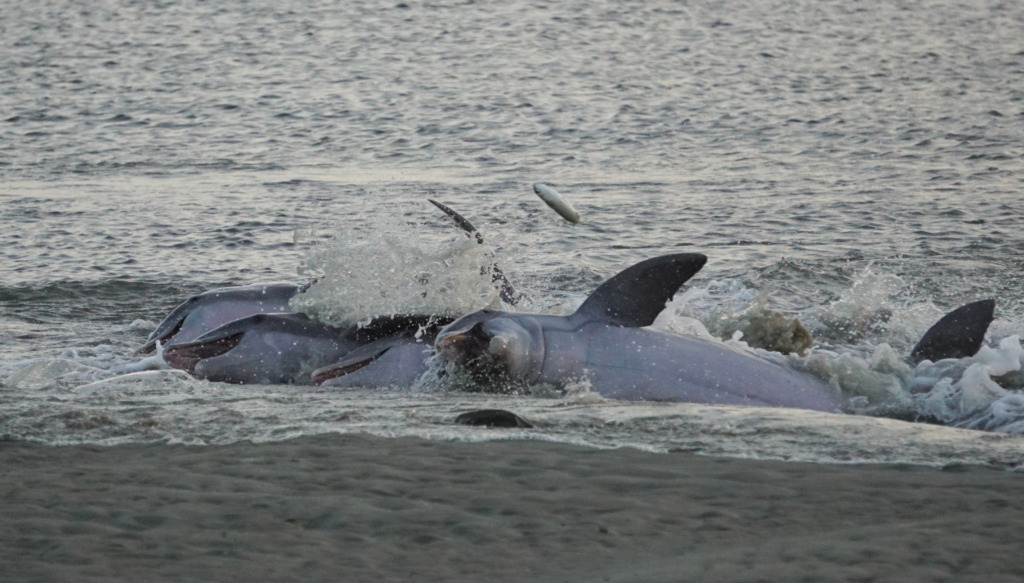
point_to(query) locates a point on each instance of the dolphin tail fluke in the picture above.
(636, 296)
(958, 334)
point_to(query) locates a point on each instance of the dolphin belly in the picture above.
(643, 365)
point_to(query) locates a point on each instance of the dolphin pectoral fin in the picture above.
(636, 296)
(959, 334)
(355, 360)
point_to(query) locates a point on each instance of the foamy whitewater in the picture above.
(856, 168)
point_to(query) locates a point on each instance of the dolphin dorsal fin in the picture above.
(958, 334)
(636, 296)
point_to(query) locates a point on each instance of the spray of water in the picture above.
(391, 267)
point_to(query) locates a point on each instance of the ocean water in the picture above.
(857, 166)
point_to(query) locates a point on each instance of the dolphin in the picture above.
(604, 343)
(288, 348)
(210, 310)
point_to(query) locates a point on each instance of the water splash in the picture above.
(389, 267)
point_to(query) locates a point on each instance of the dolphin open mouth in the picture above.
(467, 348)
(186, 356)
(481, 354)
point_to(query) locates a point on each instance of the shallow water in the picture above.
(861, 161)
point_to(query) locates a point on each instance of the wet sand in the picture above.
(358, 508)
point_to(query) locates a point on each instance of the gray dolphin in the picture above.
(288, 348)
(603, 343)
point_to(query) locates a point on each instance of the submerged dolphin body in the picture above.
(603, 343)
(287, 348)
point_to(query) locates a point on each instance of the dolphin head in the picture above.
(494, 346)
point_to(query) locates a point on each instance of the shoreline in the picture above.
(361, 508)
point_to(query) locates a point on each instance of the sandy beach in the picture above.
(358, 508)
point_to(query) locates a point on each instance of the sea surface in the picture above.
(858, 166)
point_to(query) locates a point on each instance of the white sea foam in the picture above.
(146, 381)
(45, 372)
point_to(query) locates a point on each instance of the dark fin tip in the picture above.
(959, 334)
(492, 418)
